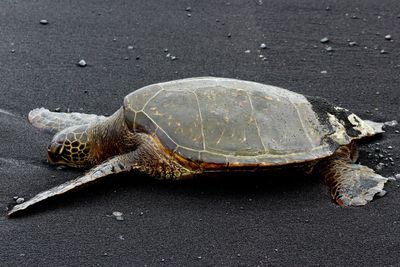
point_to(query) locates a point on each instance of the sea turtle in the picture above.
(183, 128)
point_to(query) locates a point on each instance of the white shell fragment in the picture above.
(391, 123)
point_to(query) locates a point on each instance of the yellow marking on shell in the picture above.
(340, 135)
(360, 125)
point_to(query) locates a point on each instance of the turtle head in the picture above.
(71, 147)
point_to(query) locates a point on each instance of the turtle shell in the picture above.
(218, 122)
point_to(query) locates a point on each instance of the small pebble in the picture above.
(58, 109)
(188, 9)
(166, 50)
(19, 200)
(130, 47)
(168, 55)
(12, 50)
(397, 176)
(126, 58)
(229, 35)
(247, 51)
(174, 58)
(44, 22)
(390, 147)
(324, 72)
(82, 63)
(263, 46)
(383, 51)
(324, 40)
(118, 215)
(189, 15)
(137, 58)
(352, 43)
(329, 49)
(388, 37)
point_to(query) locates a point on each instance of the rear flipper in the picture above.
(352, 184)
(56, 121)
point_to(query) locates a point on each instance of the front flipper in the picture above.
(56, 121)
(352, 184)
(111, 166)
(147, 158)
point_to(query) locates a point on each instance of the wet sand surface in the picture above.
(249, 220)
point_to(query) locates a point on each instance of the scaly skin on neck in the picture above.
(111, 137)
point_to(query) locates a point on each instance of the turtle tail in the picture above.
(56, 121)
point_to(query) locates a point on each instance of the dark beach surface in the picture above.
(251, 220)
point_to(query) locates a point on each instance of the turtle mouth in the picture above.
(54, 154)
(54, 160)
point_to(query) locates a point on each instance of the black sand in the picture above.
(249, 221)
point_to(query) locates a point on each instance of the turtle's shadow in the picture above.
(222, 186)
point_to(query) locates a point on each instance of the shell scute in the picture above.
(177, 113)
